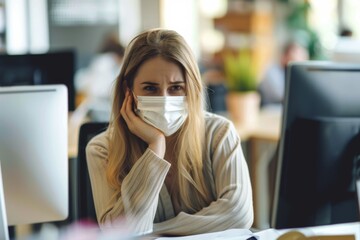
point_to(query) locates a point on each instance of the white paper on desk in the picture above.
(266, 234)
(231, 234)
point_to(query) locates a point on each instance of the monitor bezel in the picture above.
(291, 67)
(53, 97)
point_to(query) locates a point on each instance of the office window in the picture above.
(323, 18)
(327, 17)
(351, 16)
(83, 12)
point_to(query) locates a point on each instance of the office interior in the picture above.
(250, 33)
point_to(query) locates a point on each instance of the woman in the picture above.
(164, 164)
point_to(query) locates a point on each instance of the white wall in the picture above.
(183, 17)
(26, 26)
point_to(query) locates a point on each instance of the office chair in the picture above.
(85, 203)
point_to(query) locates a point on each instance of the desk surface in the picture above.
(267, 126)
(74, 124)
(352, 229)
(84, 231)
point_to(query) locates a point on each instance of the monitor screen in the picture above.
(33, 153)
(319, 146)
(55, 67)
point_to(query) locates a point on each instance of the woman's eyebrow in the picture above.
(177, 82)
(150, 83)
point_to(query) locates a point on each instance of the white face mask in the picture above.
(166, 113)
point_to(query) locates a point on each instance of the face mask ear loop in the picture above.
(135, 101)
(134, 96)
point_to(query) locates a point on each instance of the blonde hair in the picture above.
(125, 148)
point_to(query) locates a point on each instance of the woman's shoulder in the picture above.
(215, 120)
(99, 143)
(219, 129)
(100, 138)
(218, 125)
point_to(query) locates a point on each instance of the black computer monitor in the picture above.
(319, 146)
(55, 67)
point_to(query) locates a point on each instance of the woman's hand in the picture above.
(152, 136)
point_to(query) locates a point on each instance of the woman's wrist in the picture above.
(159, 146)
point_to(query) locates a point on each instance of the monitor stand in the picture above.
(4, 232)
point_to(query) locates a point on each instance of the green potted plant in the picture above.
(242, 99)
(239, 71)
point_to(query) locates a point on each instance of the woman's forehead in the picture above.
(159, 70)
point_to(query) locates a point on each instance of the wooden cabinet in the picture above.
(251, 29)
(246, 22)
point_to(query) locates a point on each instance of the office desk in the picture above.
(78, 231)
(73, 135)
(267, 127)
(262, 139)
(335, 231)
(74, 123)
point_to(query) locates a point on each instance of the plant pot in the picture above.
(243, 107)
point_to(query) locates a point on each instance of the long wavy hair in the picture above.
(125, 148)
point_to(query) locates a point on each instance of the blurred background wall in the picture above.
(209, 26)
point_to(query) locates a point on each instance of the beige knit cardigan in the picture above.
(145, 202)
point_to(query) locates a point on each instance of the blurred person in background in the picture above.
(272, 85)
(94, 83)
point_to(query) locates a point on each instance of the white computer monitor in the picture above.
(33, 154)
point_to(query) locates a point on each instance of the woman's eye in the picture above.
(177, 88)
(150, 88)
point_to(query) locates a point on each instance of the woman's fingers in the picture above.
(132, 120)
(151, 135)
(134, 123)
(123, 108)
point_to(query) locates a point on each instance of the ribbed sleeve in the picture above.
(139, 192)
(144, 195)
(233, 206)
